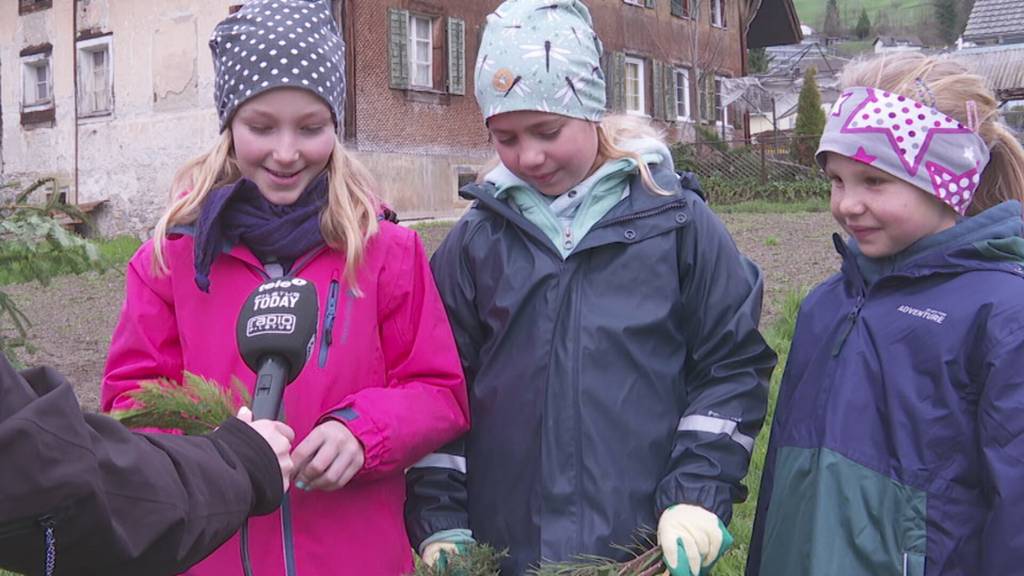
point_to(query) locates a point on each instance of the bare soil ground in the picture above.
(74, 317)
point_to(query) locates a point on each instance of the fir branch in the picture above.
(646, 561)
(478, 560)
(196, 407)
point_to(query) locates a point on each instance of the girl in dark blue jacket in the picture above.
(898, 441)
(606, 322)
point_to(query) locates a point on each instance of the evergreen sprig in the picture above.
(478, 560)
(646, 561)
(35, 246)
(195, 407)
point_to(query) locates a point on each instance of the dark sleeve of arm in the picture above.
(728, 365)
(119, 502)
(436, 486)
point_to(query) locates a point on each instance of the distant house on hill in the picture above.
(887, 44)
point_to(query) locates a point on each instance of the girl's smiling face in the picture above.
(283, 139)
(885, 214)
(550, 152)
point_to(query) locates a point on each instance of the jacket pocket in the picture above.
(913, 564)
(330, 312)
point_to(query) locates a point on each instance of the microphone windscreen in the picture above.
(279, 318)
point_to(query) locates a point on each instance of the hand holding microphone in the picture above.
(279, 435)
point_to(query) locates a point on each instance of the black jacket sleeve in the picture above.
(436, 496)
(82, 494)
(728, 368)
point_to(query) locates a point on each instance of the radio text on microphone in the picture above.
(270, 324)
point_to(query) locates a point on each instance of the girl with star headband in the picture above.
(898, 440)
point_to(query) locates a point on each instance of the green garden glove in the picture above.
(444, 544)
(692, 540)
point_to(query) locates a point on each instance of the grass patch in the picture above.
(769, 207)
(118, 250)
(424, 225)
(899, 12)
(779, 336)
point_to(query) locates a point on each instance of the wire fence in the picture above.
(764, 158)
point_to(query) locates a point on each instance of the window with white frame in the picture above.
(37, 83)
(95, 77)
(634, 2)
(721, 112)
(421, 50)
(682, 94)
(634, 85)
(718, 13)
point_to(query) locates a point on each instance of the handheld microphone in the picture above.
(275, 331)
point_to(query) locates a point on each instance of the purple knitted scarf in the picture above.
(239, 214)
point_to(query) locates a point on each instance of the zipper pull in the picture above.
(327, 333)
(48, 522)
(851, 319)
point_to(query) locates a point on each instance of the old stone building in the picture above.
(112, 96)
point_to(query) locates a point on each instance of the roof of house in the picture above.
(898, 41)
(1003, 67)
(995, 20)
(775, 23)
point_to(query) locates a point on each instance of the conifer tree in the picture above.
(810, 121)
(863, 27)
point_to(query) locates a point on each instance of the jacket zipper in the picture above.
(48, 522)
(851, 320)
(326, 335)
(646, 213)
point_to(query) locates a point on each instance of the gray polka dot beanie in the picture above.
(540, 55)
(271, 44)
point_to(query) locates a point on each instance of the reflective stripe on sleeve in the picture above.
(442, 460)
(699, 423)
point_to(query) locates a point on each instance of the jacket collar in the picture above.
(640, 215)
(990, 240)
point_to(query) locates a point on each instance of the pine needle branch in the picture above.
(196, 407)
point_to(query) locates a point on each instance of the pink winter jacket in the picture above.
(390, 364)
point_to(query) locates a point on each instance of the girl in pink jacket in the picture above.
(278, 196)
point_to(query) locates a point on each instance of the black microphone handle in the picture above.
(270, 382)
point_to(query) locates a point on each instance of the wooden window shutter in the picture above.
(614, 64)
(658, 85)
(725, 11)
(677, 8)
(670, 93)
(456, 56)
(648, 3)
(398, 48)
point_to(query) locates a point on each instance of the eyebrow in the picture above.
(269, 115)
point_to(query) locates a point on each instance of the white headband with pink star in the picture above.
(909, 140)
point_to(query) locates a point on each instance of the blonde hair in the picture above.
(612, 130)
(347, 222)
(951, 86)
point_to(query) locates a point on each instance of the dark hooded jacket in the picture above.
(898, 442)
(80, 494)
(604, 387)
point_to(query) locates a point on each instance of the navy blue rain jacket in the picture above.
(898, 441)
(603, 388)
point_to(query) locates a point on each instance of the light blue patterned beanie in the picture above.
(541, 55)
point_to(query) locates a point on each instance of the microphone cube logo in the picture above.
(270, 324)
